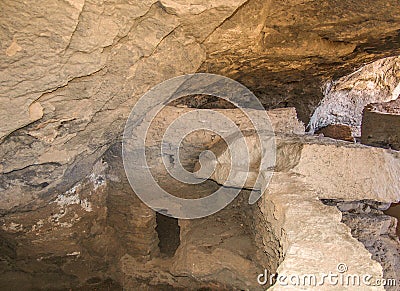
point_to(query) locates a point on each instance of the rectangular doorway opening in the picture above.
(168, 232)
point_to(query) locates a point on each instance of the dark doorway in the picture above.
(168, 231)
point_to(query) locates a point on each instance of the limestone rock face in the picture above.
(376, 231)
(285, 50)
(346, 97)
(35, 180)
(100, 222)
(72, 70)
(324, 165)
(306, 224)
(70, 73)
(79, 238)
(350, 172)
(310, 169)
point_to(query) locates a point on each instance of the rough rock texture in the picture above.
(345, 98)
(337, 131)
(221, 248)
(215, 253)
(282, 120)
(99, 234)
(84, 63)
(20, 187)
(78, 239)
(72, 70)
(312, 241)
(323, 164)
(391, 107)
(381, 125)
(102, 234)
(376, 231)
(285, 50)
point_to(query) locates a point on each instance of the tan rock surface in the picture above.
(315, 242)
(54, 160)
(70, 73)
(380, 125)
(72, 70)
(333, 169)
(86, 63)
(345, 98)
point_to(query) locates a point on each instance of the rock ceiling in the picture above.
(70, 71)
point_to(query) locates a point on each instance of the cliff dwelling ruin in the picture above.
(321, 213)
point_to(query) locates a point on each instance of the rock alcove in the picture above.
(71, 71)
